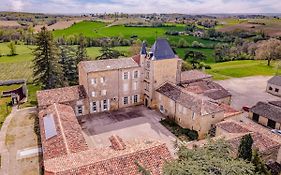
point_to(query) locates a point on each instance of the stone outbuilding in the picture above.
(274, 86)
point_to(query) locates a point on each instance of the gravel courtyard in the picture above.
(128, 123)
(247, 91)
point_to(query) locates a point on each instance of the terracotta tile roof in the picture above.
(198, 104)
(69, 138)
(110, 64)
(232, 127)
(229, 111)
(117, 143)
(276, 80)
(60, 95)
(136, 58)
(207, 88)
(267, 110)
(151, 155)
(193, 75)
(261, 142)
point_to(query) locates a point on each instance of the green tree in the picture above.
(47, 70)
(182, 43)
(142, 170)
(109, 53)
(245, 147)
(12, 46)
(194, 57)
(186, 66)
(81, 54)
(69, 65)
(260, 167)
(214, 158)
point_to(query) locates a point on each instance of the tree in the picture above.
(69, 65)
(260, 167)
(245, 147)
(194, 57)
(142, 170)
(135, 47)
(12, 46)
(196, 44)
(269, 50)
(182, 43)
(186, 66)
(109, 53)
(46, 70)
(213, 158)
(81, 54)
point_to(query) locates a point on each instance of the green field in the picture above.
(243, 68)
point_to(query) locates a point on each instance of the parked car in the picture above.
(276, 131)
(246, 108)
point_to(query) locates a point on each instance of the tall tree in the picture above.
(12, 46)
(214, 158)
(47, 70)
(194, 57)
(109, 53)
(245, 147)
(260, 167)
(69, 64)
(269, 50)
(81, 54)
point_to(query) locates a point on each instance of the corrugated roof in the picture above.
(162, 50)
(110, 64)
(276, 80)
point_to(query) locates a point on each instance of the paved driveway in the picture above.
(247, 91)
(129, 123)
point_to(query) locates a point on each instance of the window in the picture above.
(103, 92)
(93, 94)
(135, 84)
(270, 88)
(105, 106)
(146, 86)
(271, 124)
(147, 64)
(136, 74)
(135, 98)
(94, 106)
(126, 75)
(126, 100)
(147, 75)
(256, 117)
(161, 108)
(93, 81)
(193, 115)
(80, 110)
(102, 79)
(276, 90)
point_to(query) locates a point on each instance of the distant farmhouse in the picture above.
(153, 79)
(274, 86)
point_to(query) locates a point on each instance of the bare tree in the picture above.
(269, 50)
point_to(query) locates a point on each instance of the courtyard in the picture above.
(129, 124)
(247, 91)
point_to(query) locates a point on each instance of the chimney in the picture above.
(117, 143)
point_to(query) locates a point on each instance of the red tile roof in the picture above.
(232, 127)
(69, 138)
(151, 155)
(193, 75)
(60, 95)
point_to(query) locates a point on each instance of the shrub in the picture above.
(196, 44)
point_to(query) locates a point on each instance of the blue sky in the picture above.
(143, 6)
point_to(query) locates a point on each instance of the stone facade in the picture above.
(274, 86)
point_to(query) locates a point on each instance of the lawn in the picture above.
(99, 30)
(243, 68)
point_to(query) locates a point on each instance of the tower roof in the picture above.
(143, 48)
(161, 49)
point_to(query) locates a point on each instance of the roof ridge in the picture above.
(62, 130)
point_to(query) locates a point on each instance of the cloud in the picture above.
(144, 6)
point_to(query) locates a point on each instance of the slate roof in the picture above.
(276, 80)
(109, 64)
(267, 110)
(143, 49)
(69, 138)
(275, 103)
(193, 75)
(161, 49)
(200, 105)
(60, 95)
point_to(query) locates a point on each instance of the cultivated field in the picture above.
(58, 25)
(9, 23)
(271, 27)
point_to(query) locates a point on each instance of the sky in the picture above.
(142, 6)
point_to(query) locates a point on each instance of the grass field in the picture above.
(243, 68)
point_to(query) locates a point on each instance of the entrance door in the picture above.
(271, 124)
(256, 117)
(146, 102)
